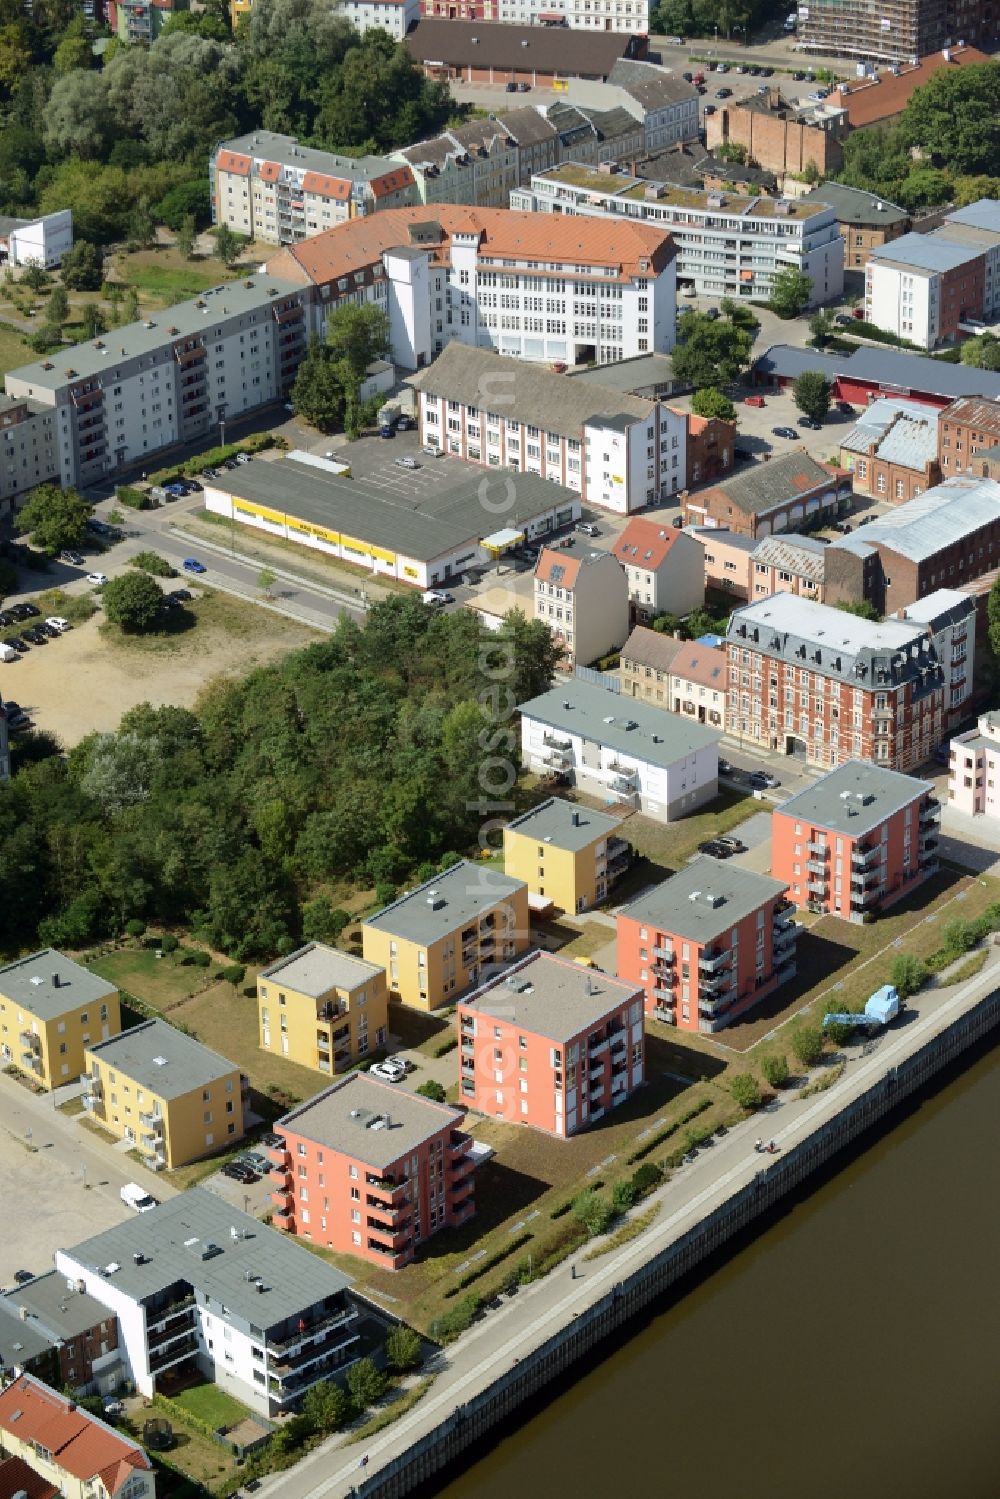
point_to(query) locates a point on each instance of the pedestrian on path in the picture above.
(364, 1461)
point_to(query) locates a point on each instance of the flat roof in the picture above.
(56, 1309)
(194, 317)
(316, 969)
(983, 214)
(938, 518)
(157, 1056)
(926, 252)
(47, 984)
(423, 527)
(634, 728)
(20, 1342)
(344, 1117)
(854, 798)
(267, 145)
(854, 205)
(705, 899)
(551, 996)
(447, 901)
(191, 1238)
(623, 185)
(565, 824)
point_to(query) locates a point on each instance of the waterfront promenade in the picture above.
(510, 1335)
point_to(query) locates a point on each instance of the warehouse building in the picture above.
(422, 539)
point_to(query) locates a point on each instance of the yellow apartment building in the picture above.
(170, 1097)
(322, 1008)
(448, 934)
(566, 854)
(51, 1010)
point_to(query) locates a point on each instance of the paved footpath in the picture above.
(523, 1323)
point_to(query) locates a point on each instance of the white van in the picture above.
(137, 1198)
(7, 652)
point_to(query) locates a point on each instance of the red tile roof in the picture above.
(703, 664)
(80, 1444)
(17, 1478)
(600, 244)
(869, 101)
(550, 560)
(337, 188)
(392, 182)
(232, 161)
(270, 171)
(645, 543)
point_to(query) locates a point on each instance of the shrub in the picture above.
(432, 1090)
(233, 973)
(366, 1383)
(959, 936)
(403, 1349)
(169, 943)
(135, 499)
(327, 1407)
(456, 1319)
(807, 1044)
(594, 1211)
(746, 1090)
(134, 603)
(645, 1178)
(622, 1196)
(908, 973)
(446, 1047)
(135, 927)
(775, 1069)
(153, 563)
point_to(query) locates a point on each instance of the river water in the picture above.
(852, 1349)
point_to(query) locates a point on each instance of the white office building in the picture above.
(727, 246)
(394, 16)
(42, 241)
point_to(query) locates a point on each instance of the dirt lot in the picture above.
(87, 679)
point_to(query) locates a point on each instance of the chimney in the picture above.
(576, 819)
(55, 981)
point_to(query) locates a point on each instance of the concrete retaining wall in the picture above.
(420, 1462)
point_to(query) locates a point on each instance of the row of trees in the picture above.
(358, 759)
(327, 389)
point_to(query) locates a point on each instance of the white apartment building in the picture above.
(28, 450)
(529, 287)
(727, 246)
(922, 287)
(168, 379)
(43, 241)
(618, 451)
(199, 1285)
(949, 617)
(476, 163)
(577, 15)
(272, 189)
(584, 602)
(623, 750)
(974, 770)
(394, 16)
(664, 568)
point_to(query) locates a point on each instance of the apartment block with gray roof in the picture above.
(51, 1009)
(199, 1286)
(81, 1333)
(782, 495)
(708, 944)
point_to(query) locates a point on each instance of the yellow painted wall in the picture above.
(560, 875)
(362, 1011)
(74, 1031)
(446, 970)
(185, 1133)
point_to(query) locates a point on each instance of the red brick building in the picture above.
(967, 429)
(711, 448)
(775, 137)
(856, 840)
(781, 495)
(707, 944)
(371, 1170)
(551, 1044)
(892, 451)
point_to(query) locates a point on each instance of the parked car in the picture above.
(725, 769)
(431, 451)
(807, 421)
(713, 848)
(764, 779)
(587, 528)
(438, 597)
(194, 487)
(19, 645)
(845, 408)
(177, 491)
(387, 432)
(709, 109)
(523, 88)
(389, 1071)
(210, 473)
(244, 457)
(36, 635)
(754, 401)
(254, 1160)
(23, 1276)
(767, 72)
(406, 462)
(798, 77)
(27, 611)
(49, 629)
(98, 579)
(75, 559)
(192, 565)
(688, 77)
(712, 314)
(182, 595)
(784, 432)
(240, 1173)
(511, 88)
(734, 845)
(678, 522)
(724, 93)
(405, 424)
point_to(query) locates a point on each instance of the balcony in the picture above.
(393, 1190)
(816, 886)
(180, 1327)
(330, 1010)
(309, 1340)
(278, 1155)
(818, 850)
(817, 866)
(283, 1217)
(865, 877)
(30, 1041)
(863, 858)
(713, 963)
(158, 1318)
(174, 1355)
(557, 741)
(930, 811)
(153, 1123)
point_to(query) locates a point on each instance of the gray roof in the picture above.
(47, 984)
(802, 555)
(911, 442)
(853, 205)
(552, 997)
(704, 899)
(267, 145)
(925, 252)
(21, 1342)
(442, 904)
(788, 361)
(157, 1056)
(182, 320)
(441, 519)
(650, 648)
(657, 738)
(546, 49)
(707, 534)
(877, 418)
(316, 969)
(530, 392)
(565, 824)
(855, 798)
(838, 644)
(984, 214)
(569, 120)
(55, 1309)
(528, 126)
(635, 376)
(436, 152)
(612, 123)
(341, 1117)
(651, 86)
(945, 606)
(909, 374)
(938, 518)
(171, 1239)
(767, 485)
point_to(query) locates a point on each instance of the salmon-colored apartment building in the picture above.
(551, 1044)
(856, 840)
(707, 944)
(372, 1170)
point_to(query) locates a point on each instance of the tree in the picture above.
(733, 151)
(908, 974)
(993, 617)
(838, 1032)
(326, 1406)
(189, 200)
(184, 238)
(130, 307)
(807, 1044)
(134, 602)
(366, 1383)
(861, 607)
(317, 394)
(94, 321)
(54, 518)
(710, 352)
(822, 327)
(57, 307)
(355, 337)
(266, 580)
(812, 392)
(710, 402)
(774, 1066)
(321, 922)
(790, 292)
(746, 1090)
(75, 50)
(954, 118)
(77, 121)
(593, 1210)
(34, 276)
(403, 1348)
(83, 267)
(923, 187)
(981, 352)
(228, 246)
(432, 1090)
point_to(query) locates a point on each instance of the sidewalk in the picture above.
(524, 1323)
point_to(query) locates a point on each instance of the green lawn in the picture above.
(13, 349)
(159, 982)
(164, 275)
(227, 1022)
(208, 1403)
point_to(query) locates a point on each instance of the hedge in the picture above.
(455, 1321)
(486, 1265)
(648, 1146)
(136, 499)
(257, 443)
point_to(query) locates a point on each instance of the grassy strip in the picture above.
(486, 1265)
(968, 970)
(648, 1146)
(564, 1207)
(391, 1413)
(76, 607)
(830, 1076)
(629, 1230)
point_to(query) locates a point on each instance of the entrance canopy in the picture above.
(502, 541)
